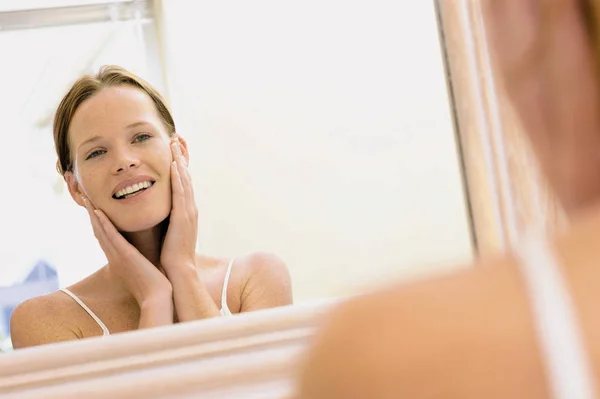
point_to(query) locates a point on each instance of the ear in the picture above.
(74, 188)
(184, 148)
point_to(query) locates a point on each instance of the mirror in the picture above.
(319, 132)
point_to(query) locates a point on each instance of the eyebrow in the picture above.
(96, 138)
(136, 124)
(90, 140)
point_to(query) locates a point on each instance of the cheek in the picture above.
(164, 152)
(89, 180)
(162, 158)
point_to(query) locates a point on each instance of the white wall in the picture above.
(320, 130)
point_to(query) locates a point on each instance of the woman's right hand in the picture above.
(142, 279)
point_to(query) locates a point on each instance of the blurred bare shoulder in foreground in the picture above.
(473, 334)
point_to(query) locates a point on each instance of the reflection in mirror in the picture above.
(331, 151)
(123, 161)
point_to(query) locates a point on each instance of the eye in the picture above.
(94, 154)
(141, 137)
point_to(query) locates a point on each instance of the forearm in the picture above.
(156, 312)
(190, 296)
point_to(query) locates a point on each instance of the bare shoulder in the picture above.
(262, 264)
(396, 341)
(42, 320)
(266, 281)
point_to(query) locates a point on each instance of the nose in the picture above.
(124, 161)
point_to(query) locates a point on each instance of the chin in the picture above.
(132, 223)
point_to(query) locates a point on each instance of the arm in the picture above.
(156, 311)
(191, 299)
(39, 321)
(151, 289)
(268, 281)
(190, 296)
(267, 285)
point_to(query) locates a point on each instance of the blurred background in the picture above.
(318, 130)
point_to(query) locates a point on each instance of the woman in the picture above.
(123, 160)
(520, 325)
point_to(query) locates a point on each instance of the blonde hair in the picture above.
(86, 87)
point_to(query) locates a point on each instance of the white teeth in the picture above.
(133, 188)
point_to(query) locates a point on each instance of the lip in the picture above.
(137, 197)
(130, 182)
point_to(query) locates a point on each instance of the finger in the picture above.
(177, 189)
(187, 179)
(180, 159)
(187, 203)
(96, 226)
(116, 241)
(98, 229)
(184, 173)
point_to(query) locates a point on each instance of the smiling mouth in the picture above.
(132, 190)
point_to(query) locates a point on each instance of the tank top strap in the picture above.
(224, 308)
(567, 365)
(105, 330)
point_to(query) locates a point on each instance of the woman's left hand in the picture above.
(179, 247)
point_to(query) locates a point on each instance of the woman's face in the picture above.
(121, 158)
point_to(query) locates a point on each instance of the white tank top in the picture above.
(105, 332)
(566, 361)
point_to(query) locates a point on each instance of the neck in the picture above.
(149, 242)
